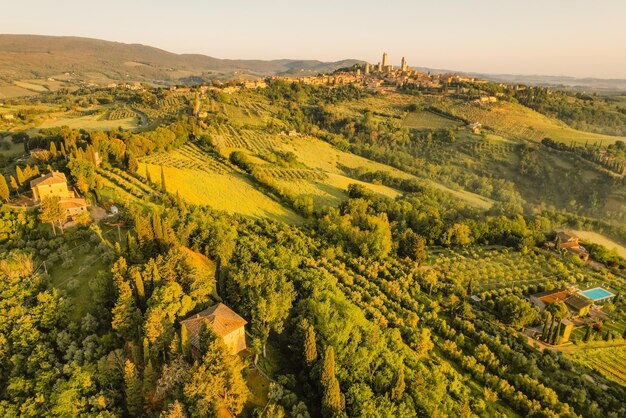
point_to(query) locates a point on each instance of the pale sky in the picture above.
(549, 37)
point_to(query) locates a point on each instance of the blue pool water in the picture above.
(597, 293)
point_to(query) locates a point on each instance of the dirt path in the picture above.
(570, 348)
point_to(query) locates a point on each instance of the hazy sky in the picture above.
(557, 37)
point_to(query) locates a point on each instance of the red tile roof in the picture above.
(51, 178)
(220, 317)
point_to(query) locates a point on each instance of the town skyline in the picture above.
(561, 39)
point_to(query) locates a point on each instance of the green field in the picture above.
(515, 120)
(9, 149)
(233, 192)
(428, 120)
(329, 191)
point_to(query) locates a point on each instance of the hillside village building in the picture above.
(54, 185)
(223, 321)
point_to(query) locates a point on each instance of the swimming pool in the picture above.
(597, 293)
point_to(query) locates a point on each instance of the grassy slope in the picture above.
(602, 240)
(428, 120)
(229, 192)
(511, 119)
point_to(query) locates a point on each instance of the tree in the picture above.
(53, 149)
(413, 246)
(20, 175)
(264, 295)
(328, 368)
(310, 347)
(163, 187)
(332, 401)
(14, 184)
(430, 278)
(216, 382)
(587, 333)
(515, 311)
(459, 234)
(126, 317)
(398, 389)
(84, 172)
(174, 410)
(51, 211)
(4, 189)
(559, 311)
(132, 389)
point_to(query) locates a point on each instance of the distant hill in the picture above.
(25, 57)
(561, 82)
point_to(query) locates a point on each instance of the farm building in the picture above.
(567, 240)
(54, 184)
(578, 305)
(223, 321)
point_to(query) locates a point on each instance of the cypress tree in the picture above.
(328, 369)
(132, 389)
(4, 189)
(398, 390)
(139, 288)
(332, 401)
(163, 179)
(587, 333)
(310, 347)
(184, 341)
(53, 149)
(148, 175)
(20, 175)
(157, 227)
(14, 185)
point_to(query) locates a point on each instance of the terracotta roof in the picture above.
(73, 202)
(577, 302)
(554, 296)
(220, 317)
(50, 178)
(567, 236)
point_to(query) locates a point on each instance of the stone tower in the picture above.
(384, 59)
(367, 68)
(404, 66)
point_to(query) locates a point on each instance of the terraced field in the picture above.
(609, 362)
(255, 141)
(189, 156)
(428, 120)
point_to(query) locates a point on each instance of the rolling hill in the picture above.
(24, 57)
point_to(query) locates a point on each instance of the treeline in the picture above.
(581, 111)
(590, 153)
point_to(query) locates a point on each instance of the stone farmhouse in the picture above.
(223, 321)
(54, 185)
